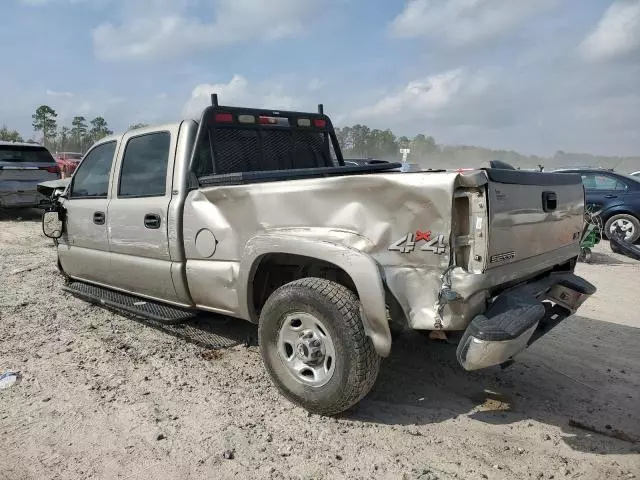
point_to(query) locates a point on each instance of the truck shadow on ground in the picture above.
(208, 331)
(583, 377)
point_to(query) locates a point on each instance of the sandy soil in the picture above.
(107, 397)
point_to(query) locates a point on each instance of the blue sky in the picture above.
(533, 76)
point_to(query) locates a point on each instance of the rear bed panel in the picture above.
(532, 214)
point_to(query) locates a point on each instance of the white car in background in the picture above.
(636, 174)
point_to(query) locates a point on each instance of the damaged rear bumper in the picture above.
(520, 316)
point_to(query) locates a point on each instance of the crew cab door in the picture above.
(137, 222)
(83, 249)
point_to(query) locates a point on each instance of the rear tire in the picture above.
(314, 346)
(626, 220)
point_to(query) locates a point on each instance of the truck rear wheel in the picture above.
(314, 346)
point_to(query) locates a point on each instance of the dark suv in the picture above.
(617, 196)
(22, 167)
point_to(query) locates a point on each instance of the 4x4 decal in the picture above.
(408, 243)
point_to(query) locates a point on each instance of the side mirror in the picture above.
(52, 223)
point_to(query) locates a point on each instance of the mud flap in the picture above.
(618, 245)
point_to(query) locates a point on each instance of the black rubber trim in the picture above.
(508, 317)
(578, 284)
(515, 311)
(618, 245)
(293, 174)
(552, 317)
(542, 179)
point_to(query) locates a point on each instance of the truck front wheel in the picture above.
(314, 346)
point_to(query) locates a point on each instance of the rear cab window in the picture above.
(255, 141)
(25, 154)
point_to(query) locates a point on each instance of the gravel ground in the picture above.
(103, 396)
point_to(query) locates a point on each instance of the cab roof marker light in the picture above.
(224, 117)
(319, 123)
(268, 120)
(246, 119)
(304, 122)
(281, 121)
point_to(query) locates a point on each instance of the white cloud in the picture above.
(316, 84)
(53, 93)
(238, 93)
(565, 106)
(423, 98)
(85, 108)
(616, 34)
(152, 29)
(463, 22)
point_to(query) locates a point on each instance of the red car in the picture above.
(68, 162)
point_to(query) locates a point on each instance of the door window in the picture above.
(91, 179)
(144, 166)
(602, 182)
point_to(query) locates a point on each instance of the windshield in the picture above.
(72, 156)
(25, 154)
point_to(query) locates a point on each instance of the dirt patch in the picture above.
(105, 396)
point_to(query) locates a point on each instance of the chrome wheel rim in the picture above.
(306, 349)
(625, 225)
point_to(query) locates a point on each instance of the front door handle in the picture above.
(611, 196)
(98, 218)
(151, 220)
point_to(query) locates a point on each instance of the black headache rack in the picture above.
(237, 145)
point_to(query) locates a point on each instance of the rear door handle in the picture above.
(98, 218)
(611, 196)
(151, 220)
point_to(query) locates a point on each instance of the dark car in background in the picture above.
(22, 167)
(616, 195)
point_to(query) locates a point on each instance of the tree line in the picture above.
(76, 137)
(360, 141)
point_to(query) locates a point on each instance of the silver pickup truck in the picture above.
(254, 214)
